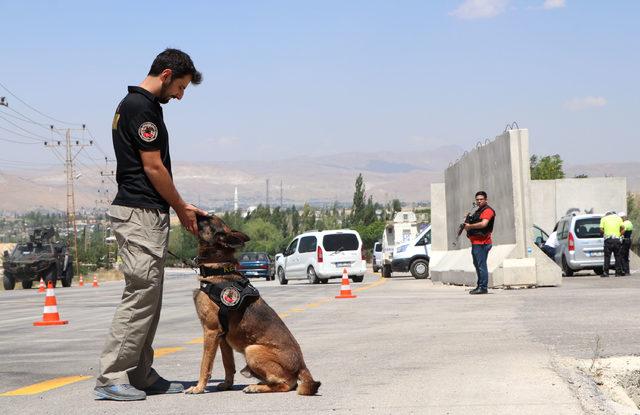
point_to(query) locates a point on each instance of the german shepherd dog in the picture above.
(272, 354)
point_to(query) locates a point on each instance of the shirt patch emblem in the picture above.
(230, 296)
(148, 131)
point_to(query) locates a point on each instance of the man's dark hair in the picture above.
(179, 62)
(481, 193)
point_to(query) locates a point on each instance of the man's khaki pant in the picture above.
(143, 236)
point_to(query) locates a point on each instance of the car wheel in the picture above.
(311, 276)
(376, 269)
(281, 278)
(27, 284)
(420, 269)
(8, 283)
(357, 278)
(68, 276)
(386, 271)
(324, 280)
(568, 272)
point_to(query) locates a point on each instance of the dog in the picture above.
(254, 329)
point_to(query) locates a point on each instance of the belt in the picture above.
(612, 237)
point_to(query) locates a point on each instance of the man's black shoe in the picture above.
(478, 290)
(162, 385)
(124, 392)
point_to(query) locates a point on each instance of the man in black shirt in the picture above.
(140, 220)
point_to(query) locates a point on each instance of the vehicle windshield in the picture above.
(253, 256)
(378, 248)
(340, 242)
(588, 228)
(30, 248)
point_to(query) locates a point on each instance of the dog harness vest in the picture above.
(229, 295)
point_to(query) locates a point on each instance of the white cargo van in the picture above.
(321, 255)
(402, 229)
(414, 256)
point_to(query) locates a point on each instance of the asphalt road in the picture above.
(403, 346)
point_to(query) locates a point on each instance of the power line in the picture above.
(24, 129)
(34, 109)
(16, 142)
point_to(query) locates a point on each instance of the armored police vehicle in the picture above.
(40, 257)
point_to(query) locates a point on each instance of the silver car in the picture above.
(581, 244)
(376, 258)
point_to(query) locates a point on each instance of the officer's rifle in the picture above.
(467, 217)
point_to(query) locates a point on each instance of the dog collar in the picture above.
(225, 270)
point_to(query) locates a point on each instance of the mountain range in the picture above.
(318, 180)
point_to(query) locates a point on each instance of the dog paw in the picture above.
(224, 386)
(194, 390)
(251, 389)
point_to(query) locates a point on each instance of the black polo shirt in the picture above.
(138, 125)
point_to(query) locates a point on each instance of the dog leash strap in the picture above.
(190, 264)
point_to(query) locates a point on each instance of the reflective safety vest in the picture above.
(611, 225)
(628, 228)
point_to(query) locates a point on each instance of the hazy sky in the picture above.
(288, 78)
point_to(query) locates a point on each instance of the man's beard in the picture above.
(164, 96)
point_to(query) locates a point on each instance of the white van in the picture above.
(321, 255)
(402, 229)
(413, 256)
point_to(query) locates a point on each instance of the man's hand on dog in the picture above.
(187, 215)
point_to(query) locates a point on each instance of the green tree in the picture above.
(295, 220)
(308, 218)
(633, 214)
(265, 237)
(359, 202)
(370, 233)
(546, 168)
(369, 214)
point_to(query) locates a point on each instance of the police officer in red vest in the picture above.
(479, 227)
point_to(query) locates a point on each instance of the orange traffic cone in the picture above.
(80, 281)
(95, 280)
(345, 288)
(50, 316)
(41, 286)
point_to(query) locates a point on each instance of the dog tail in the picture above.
(307, 385)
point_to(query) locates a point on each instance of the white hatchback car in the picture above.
(321, 255)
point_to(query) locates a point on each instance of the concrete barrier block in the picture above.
(548, 273)
(456, 267)
(519, 272)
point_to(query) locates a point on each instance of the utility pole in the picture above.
(105, 199)
(281, 194)
(71, 203)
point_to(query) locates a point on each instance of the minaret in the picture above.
(235, 200)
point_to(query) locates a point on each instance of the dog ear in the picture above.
(235, 239)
